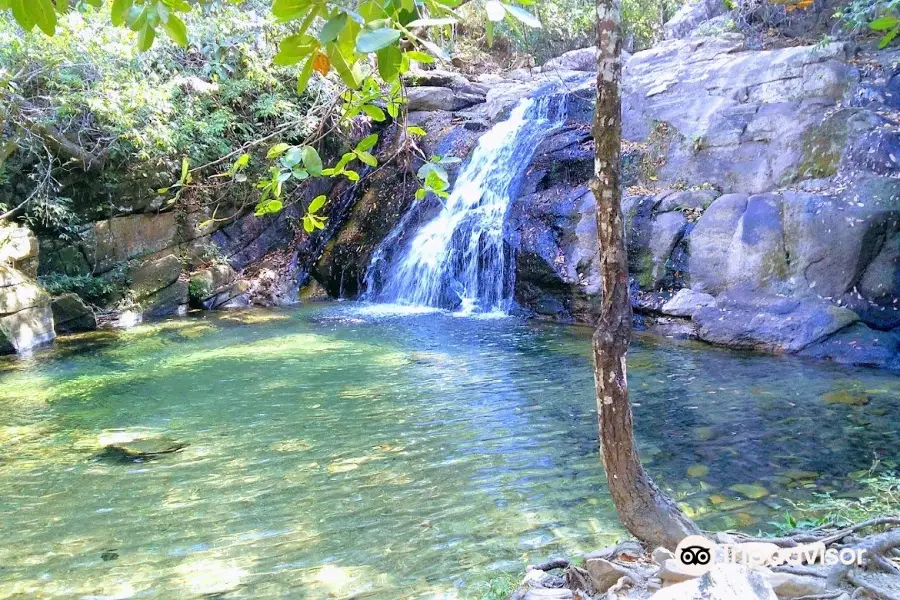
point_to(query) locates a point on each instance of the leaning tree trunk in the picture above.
(645, 511)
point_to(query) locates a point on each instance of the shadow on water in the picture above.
(338, 450)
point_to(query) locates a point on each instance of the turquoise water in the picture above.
(336, 452)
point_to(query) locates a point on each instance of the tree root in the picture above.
(820, 535)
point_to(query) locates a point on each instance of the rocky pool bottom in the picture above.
(340, 450)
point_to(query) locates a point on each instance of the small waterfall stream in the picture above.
(458, 259)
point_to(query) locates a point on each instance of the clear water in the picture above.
(341, 451)
(458, 258)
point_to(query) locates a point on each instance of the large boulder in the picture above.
(859, 345)
(756, 321)
(19, 249)
(70, 314)
(217, 287)
(429, 97)
(26, 319)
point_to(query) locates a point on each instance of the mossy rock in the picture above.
(847, 397)
(750, 490)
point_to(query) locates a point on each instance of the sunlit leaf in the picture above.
(332, 29)
(523, 15)
(311, 160)
(495, 10)
(372, 41)
(367, 143)
(374, 112)
(176, 30)
(884, 23)
(277, 150)
(317, 203)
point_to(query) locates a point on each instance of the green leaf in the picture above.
(177, 31)
(373, 111)
(146, 37)
(295, 48)
(303, 77)
(300, 174)
(119, 11)
(308, 224)
(435, 181)
(268, 207)
(292, 158)
(317, 203)
(242, 161)
(372, 41)
(413, 130)
(420, 57)
(367, 143)
(495, 10)
(431, 22)
(888, 38)
(883, 24)
(277, 150)
(185, 169)
(420, 193)
(435, 49)
(319, 223)
(287, 10)
(332, 29)
(523, 15)
(351, 175)
(389, 61)
(43, 13)
(489, 31)
(23, 17)
(311, 160)
(348, 76)
(367, 158)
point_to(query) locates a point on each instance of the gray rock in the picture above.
(666, 231)
(673, 571)
(789, 585)
(750, 320)
(604, 574)
(19, 249)
(215, 288)
(708, 240)
(756, 257)
(881, 279)
(690, 16)
(70, 313)
(26, 319)
(722, 582)
(440, 98)
(690, 199)
(113, 241)
(859, 345)
(171, 300)
(686, 302)
(583, 59)
(744, 121)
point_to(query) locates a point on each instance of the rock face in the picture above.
(690, 16)
(26, 319)
(783, 237)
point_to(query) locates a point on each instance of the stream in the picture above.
(355, 451)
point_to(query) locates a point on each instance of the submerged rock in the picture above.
(144, 448)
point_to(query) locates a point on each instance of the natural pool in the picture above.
(339, 452)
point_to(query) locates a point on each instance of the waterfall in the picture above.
(458, 259)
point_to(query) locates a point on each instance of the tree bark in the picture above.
(645, 511)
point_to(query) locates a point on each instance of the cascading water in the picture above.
(458, 258)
